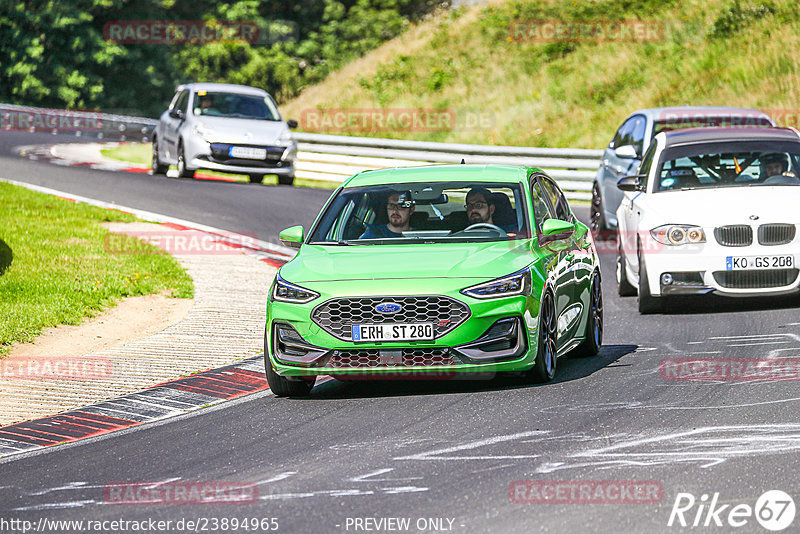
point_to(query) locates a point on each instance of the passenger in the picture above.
(399, 208)
(773, 165)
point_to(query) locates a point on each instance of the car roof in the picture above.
(228, 87)
(715, 135)
(673, 112)
(441, 173)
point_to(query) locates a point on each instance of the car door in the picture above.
(172, 124)
(616, 165)
(564, 254)
(632, 210)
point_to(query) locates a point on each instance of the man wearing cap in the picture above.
(399, 208)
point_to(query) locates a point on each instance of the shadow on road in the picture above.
(569, 368)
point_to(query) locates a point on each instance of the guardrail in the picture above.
(332, 158)
(335, 157)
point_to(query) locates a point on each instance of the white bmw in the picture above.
(711, 210)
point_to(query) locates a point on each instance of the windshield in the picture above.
(430, 212)
(237, 105)
(735, 165)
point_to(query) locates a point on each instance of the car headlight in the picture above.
(283, 291)
(285, 139)
(203, 131)
(518, 283)
(678, 234)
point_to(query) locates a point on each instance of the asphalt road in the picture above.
(443, 454)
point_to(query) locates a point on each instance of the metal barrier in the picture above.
(331, 158)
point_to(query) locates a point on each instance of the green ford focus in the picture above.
(434, 272)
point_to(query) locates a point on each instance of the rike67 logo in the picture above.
(774, 510)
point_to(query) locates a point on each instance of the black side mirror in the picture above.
(176, 114)
(291, 123)
(630, 183)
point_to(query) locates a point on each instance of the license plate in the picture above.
(738, 263)
(393, 332)
(247, 152)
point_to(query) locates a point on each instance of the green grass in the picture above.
(140, 153)
(714, 52)
(56, 269)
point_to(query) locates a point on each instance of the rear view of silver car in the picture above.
(623, 155)
(223, 127)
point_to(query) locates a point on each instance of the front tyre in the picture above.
(544, 369)
(647, 302)
(256, 178)
(283, 387)
(593, 336)
(183, 172)
(156, 165)
(286, 179)
(624, 287)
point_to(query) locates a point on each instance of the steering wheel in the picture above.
(490, 226)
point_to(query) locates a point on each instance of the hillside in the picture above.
(491, 86)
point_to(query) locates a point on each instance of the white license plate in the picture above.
(393, 332)
(247, 152)
(738, 263)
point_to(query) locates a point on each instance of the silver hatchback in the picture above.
(623, 155)
(224, 127)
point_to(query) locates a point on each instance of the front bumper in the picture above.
(499, 335)
(703, 268)
(213, 156)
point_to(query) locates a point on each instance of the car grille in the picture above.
(337, 315)
(409, 357)
(756, 279)
(776, 234)
(737, 235)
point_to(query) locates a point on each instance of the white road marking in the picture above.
(361, 478)
(54, 506)
(434, 455)
(758, 343)
(276, 478)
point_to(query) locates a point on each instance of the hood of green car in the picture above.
(316, 263)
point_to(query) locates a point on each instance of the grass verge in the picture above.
(55, 267)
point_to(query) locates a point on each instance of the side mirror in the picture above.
(626, 152)
(630, 183)
(556, 230)
(292, 237)
(291, 123)
(176, 114)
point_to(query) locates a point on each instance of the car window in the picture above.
(436, 212)
(621, 134)
(637, 133)
(557, 200)
(541, 210)
(647, 163)
(238, 105)
(181, 103)
(730, 164)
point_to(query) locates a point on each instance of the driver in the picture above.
(399, 208)
(773, 164)
(480, 206)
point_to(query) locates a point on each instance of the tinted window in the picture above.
(182, 101)
(647, 163)
(557, 200)
(541, 211)
(637, 133)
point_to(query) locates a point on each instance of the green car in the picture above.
(434, 272)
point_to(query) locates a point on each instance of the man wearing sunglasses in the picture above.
(399, 208)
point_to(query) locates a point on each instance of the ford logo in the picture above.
(388, 307)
